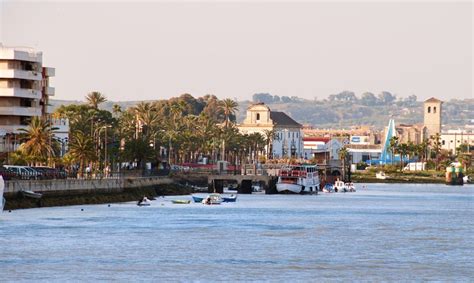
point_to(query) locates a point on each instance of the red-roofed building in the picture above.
(321, 148)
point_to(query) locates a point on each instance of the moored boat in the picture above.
(197, 199)
(231, 198)
(328, 188)
(144, 202)
(381, 175)
(340, 186)
(181, 201)
(2, 199)
(298, 179)
(31, 194)
(213, 199)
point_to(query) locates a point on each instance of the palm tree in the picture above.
(403, 149)
(82, 149)
(436, 143)
(393, 147)
(38, 144)
(269, 137)
(229, 107)
(95, 98)
(116, 109)
(343, 154)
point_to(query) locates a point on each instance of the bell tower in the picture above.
(432, 116)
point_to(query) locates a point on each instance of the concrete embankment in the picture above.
(402, 179)
(76, 192)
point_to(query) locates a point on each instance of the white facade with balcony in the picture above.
(24, 91)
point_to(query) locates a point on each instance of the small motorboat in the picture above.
(231, 198)
(31, 194)
(197, 199)
(181, 201)
(2, 199)
(144, 202)
(381, 175)
(328, 188)
(340, 187)
(212, 199)
(350, 187)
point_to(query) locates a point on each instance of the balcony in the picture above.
(21, 74)
(20, 111)
(20, 92)
(11, 129)
(49, 91)
(49, 72)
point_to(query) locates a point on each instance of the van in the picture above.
(415, 166)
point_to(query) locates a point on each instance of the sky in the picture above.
(157, 50)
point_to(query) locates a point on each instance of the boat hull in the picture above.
(197, 199)
(229, 199)
(31, 194)
(181, 201)
(2, 199)
(288, 188)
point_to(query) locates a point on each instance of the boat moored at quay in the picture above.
(298, 179)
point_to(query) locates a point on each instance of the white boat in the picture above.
(2, 188)
(340, 186)
(381, 175)
(144, 202)
(298, 179)
(212, 199)
(350, 187)
(31, 194)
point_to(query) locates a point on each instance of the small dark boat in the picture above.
(231, 198)
(197, 199)
(181, 201)
(31, 194)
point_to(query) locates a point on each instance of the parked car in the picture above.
(6, 173)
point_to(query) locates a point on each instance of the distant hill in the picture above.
(344, 110)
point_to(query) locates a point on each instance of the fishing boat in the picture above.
(298, 179)
(197, 199)
(2, 199)
(231, 198)
(31, 194)
(213, 199)
(181, 201)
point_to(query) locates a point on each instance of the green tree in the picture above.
(229, 107)
(81, 149)
(38, 142)
(95, 98)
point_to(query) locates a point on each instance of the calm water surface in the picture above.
(381, 232)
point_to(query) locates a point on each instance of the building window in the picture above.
(443, 142)
(434, 109)
(258, 116)
(429, 109)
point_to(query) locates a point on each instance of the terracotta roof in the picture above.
(432, 99)
(320, 139)
(281, 119)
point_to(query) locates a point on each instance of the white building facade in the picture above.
(24, 92)
(288, 134)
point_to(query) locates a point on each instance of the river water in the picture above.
(382, 232)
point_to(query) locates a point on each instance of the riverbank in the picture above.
(99, 196)
(402, 179)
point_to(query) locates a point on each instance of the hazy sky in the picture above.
(153, 50)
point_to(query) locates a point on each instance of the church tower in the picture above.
(432, 116)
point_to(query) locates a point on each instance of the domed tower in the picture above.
(432, 116)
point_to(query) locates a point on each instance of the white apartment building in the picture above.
(24, 91)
